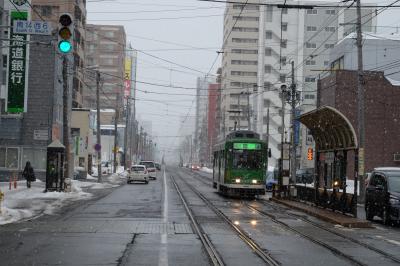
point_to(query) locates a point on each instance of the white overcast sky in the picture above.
(172, 29)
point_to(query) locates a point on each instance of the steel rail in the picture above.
(211, 251)
(266, 257)
(381, 252)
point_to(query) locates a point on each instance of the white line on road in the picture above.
(163, 256)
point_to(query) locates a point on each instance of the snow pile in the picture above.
(23, 203)
(206, 170)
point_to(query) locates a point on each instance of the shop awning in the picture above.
(330, 128)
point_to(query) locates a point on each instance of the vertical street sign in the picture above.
(127, 77)
(17, 67)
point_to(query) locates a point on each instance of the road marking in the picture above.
(163, 256)
(391, 241)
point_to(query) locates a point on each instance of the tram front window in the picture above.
(247, 159)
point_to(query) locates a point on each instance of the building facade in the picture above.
(105, 51)
(257, 61)
(382, 113)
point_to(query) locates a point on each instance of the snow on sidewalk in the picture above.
(206, 170)
(23, 203)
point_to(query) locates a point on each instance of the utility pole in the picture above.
(66, 129)
(239, 112)
(283, 98)
(98, 127)
(267, 140)
(293, 101)
(1, 44)
(116, 132)
(127, 131)
(248, 109)
(361, 104)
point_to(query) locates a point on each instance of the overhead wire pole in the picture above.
(361, 106)
(293, 100)
(98, 135)
(116, 118)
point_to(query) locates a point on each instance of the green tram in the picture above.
(240, 164)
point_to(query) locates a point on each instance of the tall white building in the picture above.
(258, 55)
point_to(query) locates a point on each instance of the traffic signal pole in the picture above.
(66, 128)
(116, 132)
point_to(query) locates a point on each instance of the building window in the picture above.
(329, 45)
(268, 35)
(45, 11)
(338, 64)
(37, 157)
(309, 79)
(282, 78)
(248, 7)
(330, 29)
(244, 51)
(243, 62)
(243, 73)
(245, 18)
(268, 68)
(309, 96)
(326, 63)
(284, 43)
(267, 86)
(283, 60)
(310, 62)
(109, 34)
(270, 13)
(312, 11)
(284, 26)
(2, 157)
(330, 12)
(268, 51)
(243, 40)
(311, 28)
(9, 158)
(284, 10)
(311, 45)
(245, 29)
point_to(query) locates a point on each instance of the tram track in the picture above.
(353, 240)
(333, 249)
(261, 253)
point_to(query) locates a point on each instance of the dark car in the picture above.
(305, 176)
(158, 166)
(383, 194)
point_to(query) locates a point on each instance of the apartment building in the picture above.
(105, 51)
(257, 60)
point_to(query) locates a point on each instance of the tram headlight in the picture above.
(237, 180)
(254, 181)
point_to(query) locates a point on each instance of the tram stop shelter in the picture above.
(335, 139)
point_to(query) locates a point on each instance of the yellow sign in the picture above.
(128, 68)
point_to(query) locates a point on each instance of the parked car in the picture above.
(305, 175)
(138, 173)
(383, 194)
(151, 168)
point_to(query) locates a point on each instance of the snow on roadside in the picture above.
(206, 170)
(23, 203)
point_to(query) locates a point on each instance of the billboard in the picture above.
(128, 77)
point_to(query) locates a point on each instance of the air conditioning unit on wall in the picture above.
(396, 157)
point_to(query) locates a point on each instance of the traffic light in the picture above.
(65, 34)
(310, 154)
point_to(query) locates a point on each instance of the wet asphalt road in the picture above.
(147, 225)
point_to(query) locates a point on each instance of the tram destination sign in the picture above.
(247, 146)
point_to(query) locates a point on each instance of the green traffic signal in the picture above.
(64, 46)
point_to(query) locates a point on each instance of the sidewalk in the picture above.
(326, 215)
(23, 203)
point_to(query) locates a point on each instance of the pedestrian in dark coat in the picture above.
(28, 174)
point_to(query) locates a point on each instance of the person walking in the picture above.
(28, 174)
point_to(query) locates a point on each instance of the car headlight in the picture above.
(254, 181)
(394, 201)
(237, 180)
